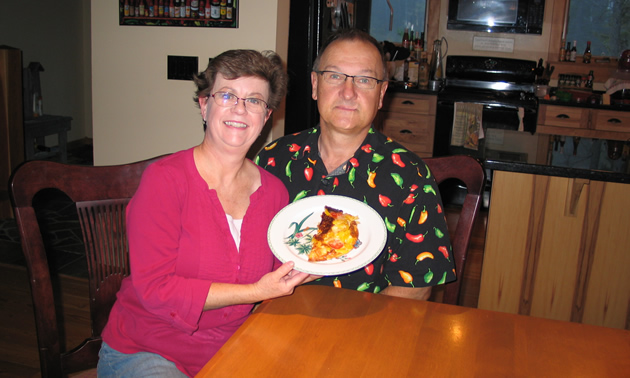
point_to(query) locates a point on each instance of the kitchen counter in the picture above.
(547, 170)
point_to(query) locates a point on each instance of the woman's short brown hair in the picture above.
(234, 64)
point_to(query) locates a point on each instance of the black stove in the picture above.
(503, 86)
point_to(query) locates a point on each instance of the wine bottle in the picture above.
(573, 54)
(405, 39)
(586, 58)
(563, 52)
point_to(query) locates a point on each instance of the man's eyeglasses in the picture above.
(252, 104)
(337, 78)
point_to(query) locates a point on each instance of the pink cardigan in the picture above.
(180, 243)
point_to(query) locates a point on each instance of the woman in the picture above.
(197, 231)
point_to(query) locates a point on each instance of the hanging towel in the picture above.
(467, 125)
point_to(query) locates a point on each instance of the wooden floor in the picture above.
(18, 343)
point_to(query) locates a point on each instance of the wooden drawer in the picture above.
(413, 132)
(564, 116)
(410, 103)
(611, 120)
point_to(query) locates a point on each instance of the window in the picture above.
(603, 22)
(407, 14)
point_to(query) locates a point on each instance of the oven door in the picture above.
(497, 115)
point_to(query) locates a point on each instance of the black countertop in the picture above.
(546, 170)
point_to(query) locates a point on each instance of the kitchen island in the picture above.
(557, 244)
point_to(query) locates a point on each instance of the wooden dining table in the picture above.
(328, 332)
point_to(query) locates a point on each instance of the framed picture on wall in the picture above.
(193, 13)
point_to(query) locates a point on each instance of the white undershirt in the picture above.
(235, 229)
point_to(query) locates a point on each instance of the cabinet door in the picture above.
(556, 248)
(564, 116)
(609, 120)
(412, 131)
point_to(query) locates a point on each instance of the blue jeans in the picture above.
(112, 363)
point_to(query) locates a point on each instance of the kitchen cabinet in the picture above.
(557, 247)
(583, 122)
(409, 119)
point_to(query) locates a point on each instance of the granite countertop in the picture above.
(546, 170)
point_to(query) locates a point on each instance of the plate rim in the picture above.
(299, 262)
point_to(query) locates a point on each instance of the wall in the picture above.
(137, 112)
(56, 34)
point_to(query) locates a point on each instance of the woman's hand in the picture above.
(275, 284)
(282, 281)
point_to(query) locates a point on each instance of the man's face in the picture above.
(345, 107)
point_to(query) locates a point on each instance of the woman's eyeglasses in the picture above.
(252, 104)
(337, 78)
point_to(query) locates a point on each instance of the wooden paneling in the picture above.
(608, 294)
(505, 248)
(557, 248)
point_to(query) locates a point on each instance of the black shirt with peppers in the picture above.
(393, 181)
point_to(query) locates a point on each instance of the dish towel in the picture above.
(467, 125)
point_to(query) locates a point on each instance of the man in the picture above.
(345, 156)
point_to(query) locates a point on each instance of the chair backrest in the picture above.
(101, 195)
(470, 172)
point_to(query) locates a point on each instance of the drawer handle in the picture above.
(563, 116)
(614, 120)
(407, 102)
(405, 131)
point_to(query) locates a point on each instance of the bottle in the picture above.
(229, 10)
(419, 44)
(423, 70)
(141, 8)
(175, 9)
(411, 44)
(207, 9)
(126, 8)
(573, 54)
(215, 9)
(187, 8)
(563, 52)
(182, 8)
(223, 10)
(194, 8)
(160, 8)
(589, 79)
(586, 58)
(202, 9)
(405, 39)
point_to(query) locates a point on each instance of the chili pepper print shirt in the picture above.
(393, 181)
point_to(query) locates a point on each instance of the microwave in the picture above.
(497, 16)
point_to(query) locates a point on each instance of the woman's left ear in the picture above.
(269, 111)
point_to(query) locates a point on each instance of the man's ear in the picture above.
(314, 79)
(382, 94)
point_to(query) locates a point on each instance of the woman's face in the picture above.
(235, 125)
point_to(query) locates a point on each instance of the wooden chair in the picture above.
(101, 195)
(470, 172)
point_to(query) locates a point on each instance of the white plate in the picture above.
(289, 245)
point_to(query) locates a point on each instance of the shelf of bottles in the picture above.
(200, 13)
